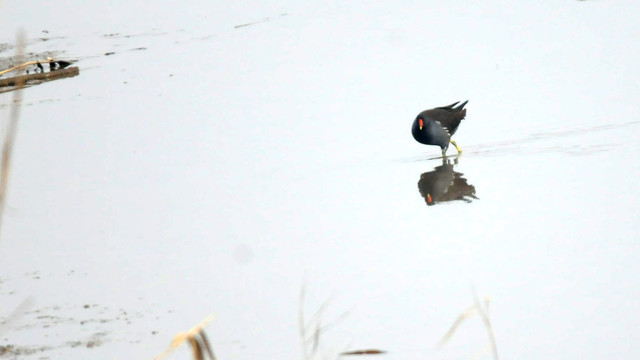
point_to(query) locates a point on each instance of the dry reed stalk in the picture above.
(12, 129)
(484, 314)
(476, 309)
(301, 324)
(311, 330)
(466, 314)
(197, 339)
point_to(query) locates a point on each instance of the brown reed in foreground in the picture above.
(311, 330)
(12, 128)
(476, 309)
(196, 338)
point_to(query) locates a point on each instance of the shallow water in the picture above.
(203, 167)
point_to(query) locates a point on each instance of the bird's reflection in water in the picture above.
(444, 184)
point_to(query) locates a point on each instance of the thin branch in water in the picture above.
(363, 352)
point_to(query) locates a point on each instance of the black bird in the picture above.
(63, 64)
(436, 126)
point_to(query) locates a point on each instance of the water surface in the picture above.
(195, 166)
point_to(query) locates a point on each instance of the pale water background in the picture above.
(205, 167)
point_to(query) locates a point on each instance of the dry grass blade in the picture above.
(205, 344)
(316, 339)
(196, 337)
(467, 313)
(195, 346)
(12, 129)
(483, 311)
(311, 330)
(315, 318)
(301, 321)
(484, 314)
(302, 325)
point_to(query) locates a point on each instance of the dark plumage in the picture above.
(63, 64)
(436, 126)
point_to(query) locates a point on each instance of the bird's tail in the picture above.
(461, 106)
(449, 106)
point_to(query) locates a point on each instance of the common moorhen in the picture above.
(436, 126)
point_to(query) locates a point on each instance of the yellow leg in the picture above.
(456, 145)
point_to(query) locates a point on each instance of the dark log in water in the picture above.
(47, 76)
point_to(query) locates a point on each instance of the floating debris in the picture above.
(42, 77)
(363, 352)
(264, 20)
(61, 64)
(57, 70)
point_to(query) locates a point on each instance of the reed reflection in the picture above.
(444, 184)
